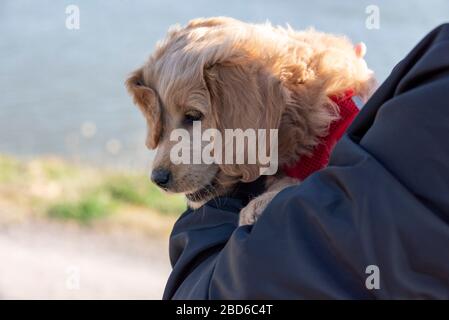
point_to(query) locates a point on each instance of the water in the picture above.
(53, 80)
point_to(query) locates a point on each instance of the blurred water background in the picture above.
(62, 93)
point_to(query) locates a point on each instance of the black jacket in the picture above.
(383, 201)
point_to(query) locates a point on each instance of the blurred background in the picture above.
(78, 217)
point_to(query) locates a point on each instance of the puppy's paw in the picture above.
(250, 213)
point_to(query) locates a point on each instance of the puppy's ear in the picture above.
(147, 101)
(243, 96)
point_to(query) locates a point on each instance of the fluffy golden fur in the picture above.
(240, 75)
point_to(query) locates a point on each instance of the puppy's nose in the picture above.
(161, 177)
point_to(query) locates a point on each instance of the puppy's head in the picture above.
(202, 73)
(232, 75)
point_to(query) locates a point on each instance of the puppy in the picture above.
(229, 74)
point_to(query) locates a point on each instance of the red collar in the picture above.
(320, 157)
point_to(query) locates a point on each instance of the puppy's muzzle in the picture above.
(161, 177)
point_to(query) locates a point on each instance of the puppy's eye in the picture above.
(139, 83)
(192, 115)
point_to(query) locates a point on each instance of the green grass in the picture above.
(57, 170)
(137, 190)
(115, 191)
(83, 194)
(84, 210)
(10, 169)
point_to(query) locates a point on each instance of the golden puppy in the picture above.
(230, 74)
